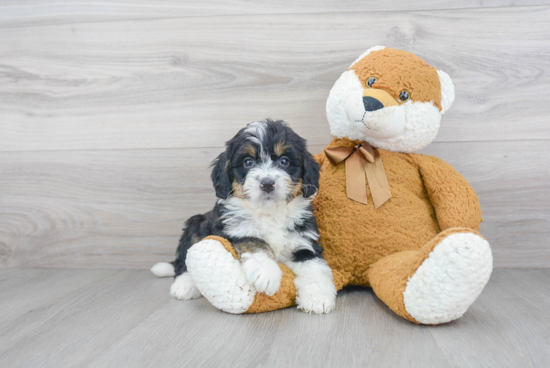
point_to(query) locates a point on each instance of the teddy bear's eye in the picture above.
(404, 96)
(371, 81)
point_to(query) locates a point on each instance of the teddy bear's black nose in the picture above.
(372, 104)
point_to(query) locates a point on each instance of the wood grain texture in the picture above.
(111, 112)
(125, 208)
(113, 318)
(28, 293)
(16, 13)
(118, 299)
(192, 82)
(512, 182)
(519, 323)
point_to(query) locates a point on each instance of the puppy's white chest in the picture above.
(272, 228)
(276, 226)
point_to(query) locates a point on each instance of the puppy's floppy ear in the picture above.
(310, 178)
(220, 176)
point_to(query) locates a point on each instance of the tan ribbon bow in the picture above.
(362, 160)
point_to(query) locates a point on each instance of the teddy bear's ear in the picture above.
(447, 91)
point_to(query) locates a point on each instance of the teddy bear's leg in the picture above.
(437, 283)
(218, 274)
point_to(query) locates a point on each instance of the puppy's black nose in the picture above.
(267, 185)
(372, 104)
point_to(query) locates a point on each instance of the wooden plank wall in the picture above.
(111, 112)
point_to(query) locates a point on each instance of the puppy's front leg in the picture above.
(259, 264)
(314, 286)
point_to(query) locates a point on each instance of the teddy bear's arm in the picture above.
(454, 200)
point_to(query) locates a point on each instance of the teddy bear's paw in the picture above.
(219, 276)
(263, 272)
(184, 288)
(449, 280)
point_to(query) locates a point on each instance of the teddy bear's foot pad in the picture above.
(219, 277)
(449, 280)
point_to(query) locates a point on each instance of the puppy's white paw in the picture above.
(263, 272)
(317, 299)
(316, 292)
(184, 288)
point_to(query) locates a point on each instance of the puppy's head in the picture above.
(390, 98)
(265, 162)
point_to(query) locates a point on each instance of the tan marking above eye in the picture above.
(250, 150)
(280, 148)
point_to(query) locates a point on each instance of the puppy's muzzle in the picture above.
(267, 185)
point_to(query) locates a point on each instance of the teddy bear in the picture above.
(402, 223)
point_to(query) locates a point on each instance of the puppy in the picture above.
(265, 181)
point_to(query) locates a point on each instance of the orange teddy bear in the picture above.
(402, 223)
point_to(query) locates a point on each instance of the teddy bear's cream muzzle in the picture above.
(375, 113)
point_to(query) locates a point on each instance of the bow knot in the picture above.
(362, 160)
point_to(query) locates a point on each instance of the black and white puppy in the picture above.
(265, 181)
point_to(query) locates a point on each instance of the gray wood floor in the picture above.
(125, 318)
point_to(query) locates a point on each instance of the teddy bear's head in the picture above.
(390, 98)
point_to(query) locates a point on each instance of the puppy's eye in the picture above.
(284, 162)
(248, 163)
(370, 82)
(404, 96)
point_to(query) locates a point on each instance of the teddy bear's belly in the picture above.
(354, 235)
